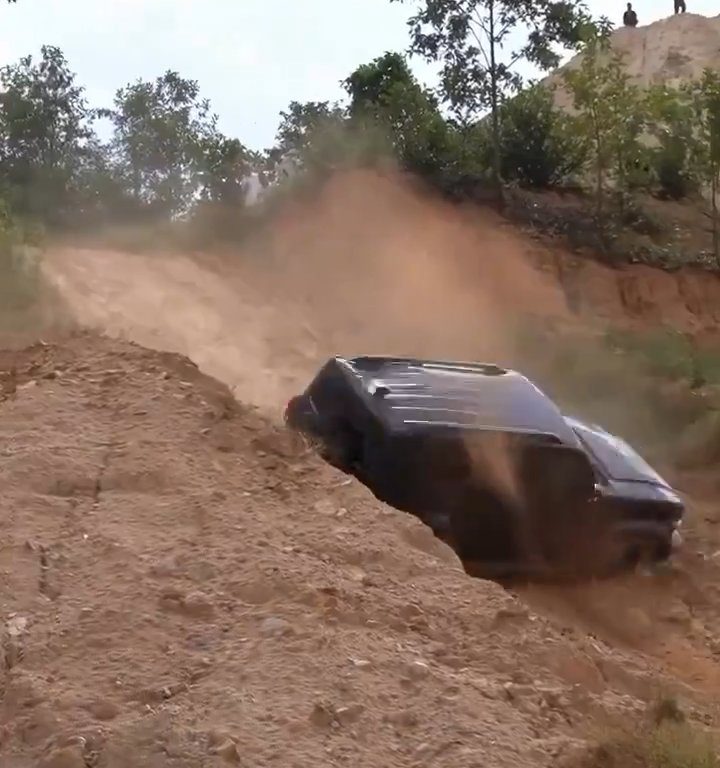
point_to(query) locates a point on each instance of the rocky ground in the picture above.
(182, 585)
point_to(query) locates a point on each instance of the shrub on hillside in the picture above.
(539, 145)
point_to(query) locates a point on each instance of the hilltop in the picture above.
(670, 52)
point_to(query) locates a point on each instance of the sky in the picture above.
(250, 57)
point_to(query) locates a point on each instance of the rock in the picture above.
(349, 714)
(16, 625)
(512, 611)
(676, 612)
(404, 718)
(322, 715)
(103, 709)
(218, 736)
(361, 663)
(418, 670)
(324, 507)
(517, 691)
(275, 627)
(164, 568)
(198, 604)
(228, 751)
(65, 757)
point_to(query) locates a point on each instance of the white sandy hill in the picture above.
(671, 51)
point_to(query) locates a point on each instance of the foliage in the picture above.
(705, 100)
(385, 94)
(468, 37)
(160, 131)
(224, 167)
(672, 128)
(44, 129)
(668, 745)
(539, 146)
(611, 114)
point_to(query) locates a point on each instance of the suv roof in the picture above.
(417, 392)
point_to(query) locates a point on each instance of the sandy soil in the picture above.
(671, 51)
(181, 585)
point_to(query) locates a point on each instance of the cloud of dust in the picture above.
(369, 265)
(380, 267)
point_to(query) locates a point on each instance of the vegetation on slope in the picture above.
(482, 128)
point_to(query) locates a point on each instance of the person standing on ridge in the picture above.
(679, 6)
(630, 18)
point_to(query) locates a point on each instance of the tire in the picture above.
(483, 530)
(342, 447)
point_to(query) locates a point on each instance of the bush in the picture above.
(539, 146)
(669, 163)
(668, 745)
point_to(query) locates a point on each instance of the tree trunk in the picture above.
(494, 108)
(599, 187)
(716, 232)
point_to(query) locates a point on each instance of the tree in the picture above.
(301, 122)
(611, 115)
(538, 145)
(161, 131)
(671, 125)
(705, 99)
(385, 93)
(314, 135)
(44, 129)
(227, 163)
(468, 37)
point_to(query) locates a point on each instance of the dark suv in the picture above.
(490, 463)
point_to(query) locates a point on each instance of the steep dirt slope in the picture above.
(183, 587)
(370, 265)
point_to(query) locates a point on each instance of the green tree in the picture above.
(226, 165)
(161, 130)
(44, 130)
(538, 145)
(318, 137)
(469, 38)
(301, 123)
(611, 114)
(705, 100)
(385, 93)
(671, 125)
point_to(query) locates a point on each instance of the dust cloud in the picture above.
(369, 265)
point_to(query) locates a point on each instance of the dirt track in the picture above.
(179, 584)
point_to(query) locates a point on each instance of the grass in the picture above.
(19, 286)
(663, 739)
(654, 389)
(669, 354)
(667, 745)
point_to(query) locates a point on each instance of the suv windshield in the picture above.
(615, 456)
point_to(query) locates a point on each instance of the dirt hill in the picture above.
(670, 51)
(181, 585)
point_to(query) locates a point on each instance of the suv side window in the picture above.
(328, 392)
